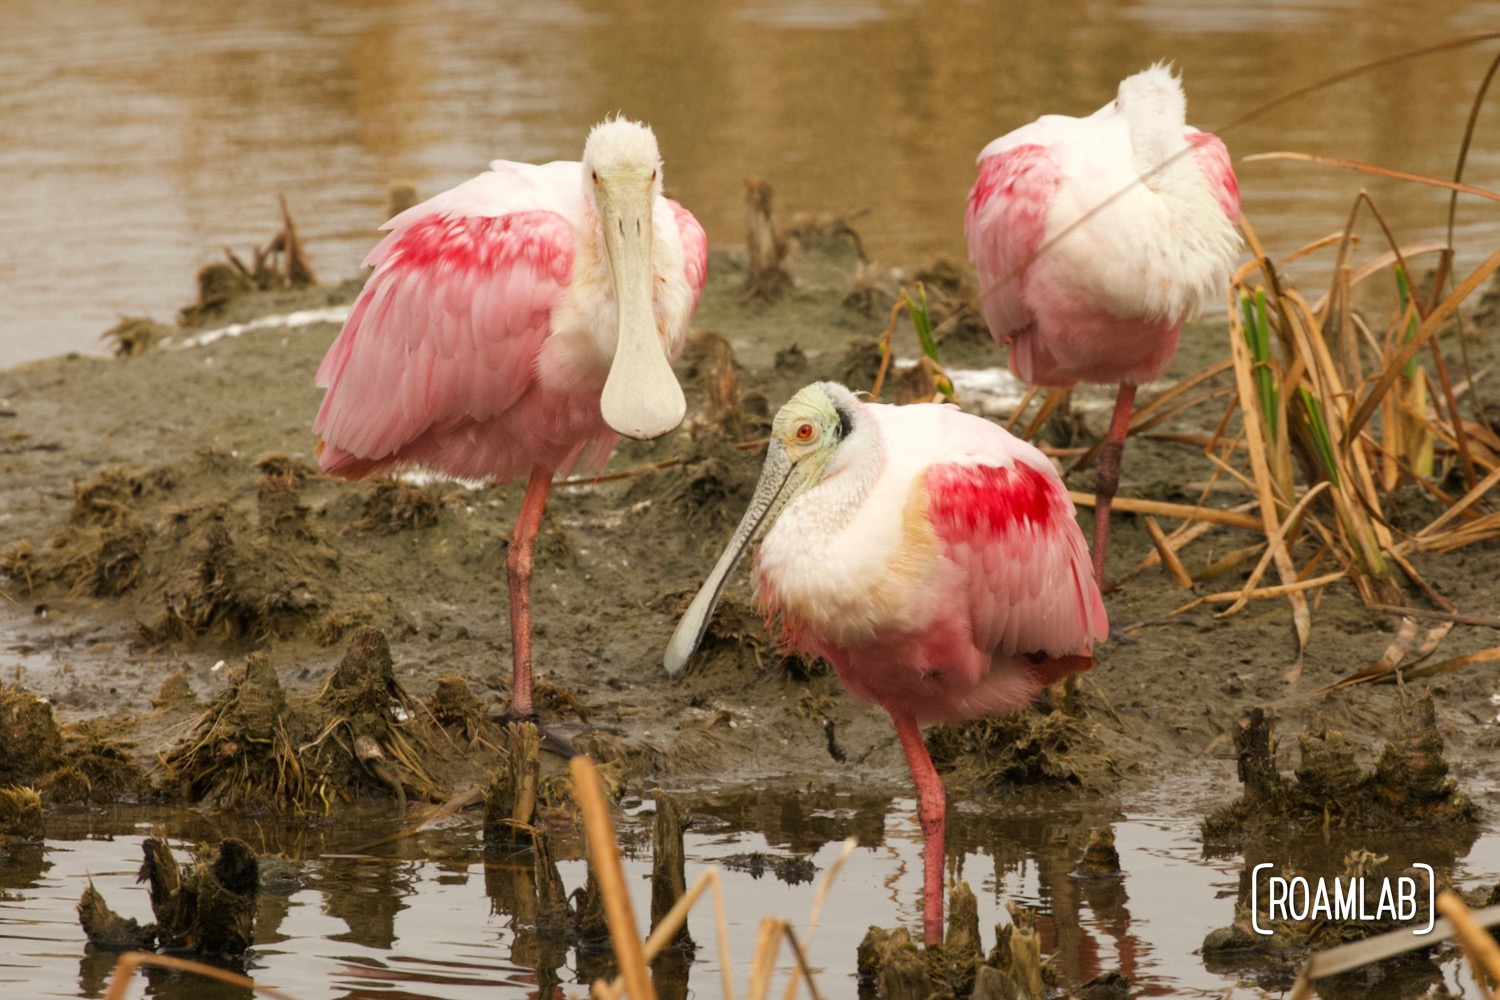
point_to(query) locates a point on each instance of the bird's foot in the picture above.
(556, 737)
(1126, 633)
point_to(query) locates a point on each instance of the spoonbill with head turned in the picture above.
(516, 325)
(927, 554)
(1095, 239)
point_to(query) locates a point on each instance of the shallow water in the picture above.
(436, 916)
(138, 138)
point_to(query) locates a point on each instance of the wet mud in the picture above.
(195, 615)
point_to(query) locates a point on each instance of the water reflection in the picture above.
(140, 138)
(537, 944)
(440, 916)
(1327, 854)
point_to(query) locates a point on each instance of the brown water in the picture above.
(436, 916)
(137, 138)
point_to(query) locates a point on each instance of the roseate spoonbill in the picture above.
(1095, 239)
(927, 554)
(517, 325)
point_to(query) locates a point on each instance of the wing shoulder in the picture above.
(1212, 157)
(1006, 522)
(694, 249)
(507, 188)
(1006, 223)
(447, 326)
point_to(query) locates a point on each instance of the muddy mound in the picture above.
(737, 640)
(242, 564)
(394, 505)
(1055, 748)
(219, 549)
(238, 584)
(1271, 942)
(1408, 786)
(65, 763)
(708, 492)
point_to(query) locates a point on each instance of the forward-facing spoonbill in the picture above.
(1095, 239)
(515, 326)
(927, 554)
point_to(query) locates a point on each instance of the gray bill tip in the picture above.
(678, 650)
(689, 631)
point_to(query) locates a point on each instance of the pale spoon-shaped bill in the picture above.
(641, 397)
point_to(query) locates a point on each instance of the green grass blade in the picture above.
(1257, 323)
(1403, 288)
(921, 318)
(1322, 442)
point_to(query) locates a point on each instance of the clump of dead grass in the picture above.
(281, 265)
(99, 551)
(31, 741)
(1282, 942)
(95, 769)
(20, 812)
(135, 335)
(256, 745)
(207, 907)
(1337, 417)
(454, 707)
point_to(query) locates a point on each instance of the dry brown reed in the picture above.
(1458, 921)
(127, 963)
(634, 956)
(1335, 414)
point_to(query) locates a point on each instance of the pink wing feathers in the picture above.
(694, 249)
(1213, 159)
(448, 327)
(1010, 531)
(1005, 223)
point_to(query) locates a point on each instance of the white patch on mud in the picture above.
(292, 320)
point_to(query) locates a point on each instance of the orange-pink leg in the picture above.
(931, 807)
(1107, 474)
(518, 570)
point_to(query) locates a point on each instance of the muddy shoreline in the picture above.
(192, 471)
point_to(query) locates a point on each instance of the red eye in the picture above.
(805, 432)
(596, 176)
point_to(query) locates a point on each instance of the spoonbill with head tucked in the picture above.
(515, 326)
(927, 554)
(1095, 239)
